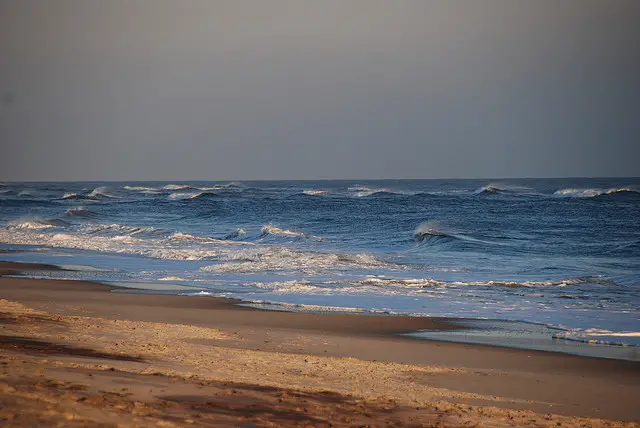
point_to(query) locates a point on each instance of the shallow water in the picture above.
(562, 252)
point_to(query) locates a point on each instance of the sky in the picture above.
(301, 89)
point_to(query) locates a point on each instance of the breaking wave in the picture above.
(143, 189)
(280, 259)
(592, 193)
(101, 192)
(178, 196)
(362, 191)
(120, 239)
(37, 224)
(81, 212)
(431, 232)
(271, 230)
(177, 187)
(315, 192)
(237, 233)
(501, 189)
(72, 195)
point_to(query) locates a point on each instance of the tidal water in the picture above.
(562, 253)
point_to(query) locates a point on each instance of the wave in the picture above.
(177, 187)
(186, 237)
(101, 192)
(595, 192)
(119, 229)
(431, 232)
(281, 259)
(402, 283)
(38, 224)
(121, 239)
(271, 230)
(143, 189)
(501, 189)
(177, 196)
(238, 233)
(233, 186)
(363, 191)
(81, 212)
(91, 197)
(73, 196)
(315, 192)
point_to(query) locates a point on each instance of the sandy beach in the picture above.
(83, 354)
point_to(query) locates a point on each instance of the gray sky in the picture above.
(216, 90)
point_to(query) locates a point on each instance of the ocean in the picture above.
(557, 254)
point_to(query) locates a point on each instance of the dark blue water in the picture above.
(564, 252)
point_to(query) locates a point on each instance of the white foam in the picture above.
(31, 224)
(285, 259)
(266, 304)
(188, 195)
(590, 193)
(314, 192)
(140, 188)
(176, 187)
(362, 191)
(601, 336)
(101, 191)
(274, 230)
(403, 283)
(122, 239)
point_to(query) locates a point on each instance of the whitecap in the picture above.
(315, 192)
(593, 192)
(271, 230)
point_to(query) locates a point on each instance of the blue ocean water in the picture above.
(561, 252)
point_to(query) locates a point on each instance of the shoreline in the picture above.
(463, 331)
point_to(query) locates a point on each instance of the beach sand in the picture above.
(74, 353)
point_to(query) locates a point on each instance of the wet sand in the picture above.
(73, 352)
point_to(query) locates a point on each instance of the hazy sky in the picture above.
(221, 90)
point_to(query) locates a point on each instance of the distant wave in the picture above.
(315, 192)
(500, 189)
(367, 192)
(177, 187)
(73, 196)
(191, 195)
(594, 192)
(101, 192)
(8, 192)
(489, 190)
(362, 191)
(143, 189)
(229, 186)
